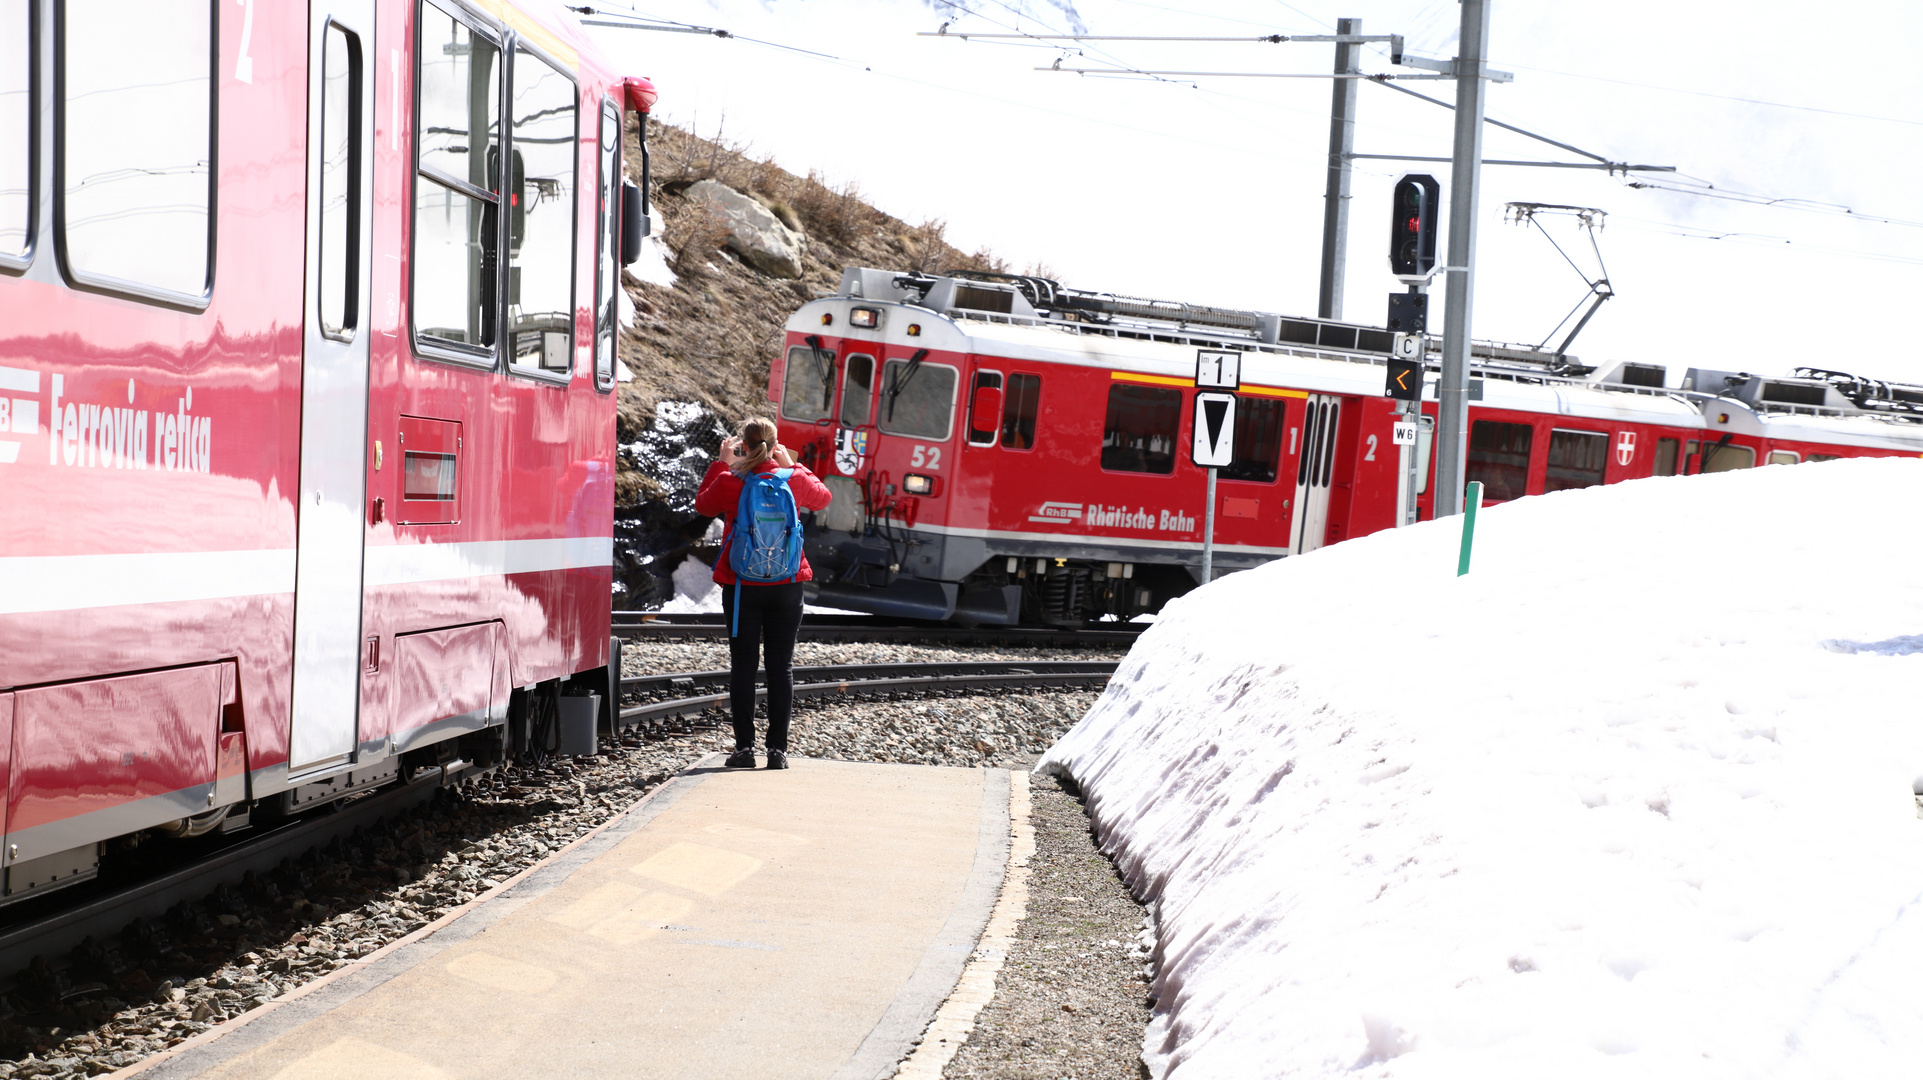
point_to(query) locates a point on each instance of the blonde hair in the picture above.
(758, 437)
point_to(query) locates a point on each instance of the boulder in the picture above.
(754, 233)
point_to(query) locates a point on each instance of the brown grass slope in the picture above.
(711, 336)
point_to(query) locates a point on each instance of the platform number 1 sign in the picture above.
(1218, 369)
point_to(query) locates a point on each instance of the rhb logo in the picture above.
(1059, 512)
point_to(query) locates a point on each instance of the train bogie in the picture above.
(1003, 449)
(306, 414)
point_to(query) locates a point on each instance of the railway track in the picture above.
(100, 913)
(675, 699)
(654, 625)
(58, 928)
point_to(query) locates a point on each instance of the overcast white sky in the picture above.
(1210, 190)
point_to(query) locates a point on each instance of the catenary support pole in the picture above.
(1335, 206)
(1208, 533)
(1465, 184)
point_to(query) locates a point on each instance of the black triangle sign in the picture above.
(1216, 410)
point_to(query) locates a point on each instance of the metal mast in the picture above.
(1335, 208)
(1465, 189)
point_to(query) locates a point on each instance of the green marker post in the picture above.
(1471, 502)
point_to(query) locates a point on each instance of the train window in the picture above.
(808, 384)
(541, 214)
(340, 197)
(136, 125)
(16, 130)
(1824, 457)
(1665, 457)
(857, 390)
(1576, 459)
(1020, 405)
(1258, 440)
(1784, 457)
(456, 197)
(982, 429)
(1727, 458)
(1499, 457)
(607, 269)
(1139, 434)
(918, 399)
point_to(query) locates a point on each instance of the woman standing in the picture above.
(769, 615)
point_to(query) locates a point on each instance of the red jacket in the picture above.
(720, 496)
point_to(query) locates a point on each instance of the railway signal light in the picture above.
(1412, 231)
(1405, 380)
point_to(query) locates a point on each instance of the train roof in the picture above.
(1037, 319)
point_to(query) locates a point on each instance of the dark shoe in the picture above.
(742, 759)
(777, 759)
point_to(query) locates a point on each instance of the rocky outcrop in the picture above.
(754, 233)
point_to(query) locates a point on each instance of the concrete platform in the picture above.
(759, 924)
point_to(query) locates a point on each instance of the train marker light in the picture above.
(1417, 203)
(865, 317)
(1405, 380)
(914, 329)
(827, 319)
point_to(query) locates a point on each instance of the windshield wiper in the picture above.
(900, 379)
(825, 368)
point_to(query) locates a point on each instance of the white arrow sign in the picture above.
(1214, 430)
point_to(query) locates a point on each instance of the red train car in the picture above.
(306, 414)
(1003, 449)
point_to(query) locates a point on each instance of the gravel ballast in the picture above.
(161, 983)
(1070, 1000)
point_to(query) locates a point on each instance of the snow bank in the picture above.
(1633, 799)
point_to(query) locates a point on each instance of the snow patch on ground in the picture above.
(1632, 799)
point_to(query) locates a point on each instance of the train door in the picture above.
(1314, 466)
(333, 429)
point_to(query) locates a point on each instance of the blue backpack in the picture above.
(766, 545)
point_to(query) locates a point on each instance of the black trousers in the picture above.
(770, 620)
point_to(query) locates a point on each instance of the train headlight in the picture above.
(865, 317)
(917, 484)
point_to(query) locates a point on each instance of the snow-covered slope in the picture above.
(1633, 799)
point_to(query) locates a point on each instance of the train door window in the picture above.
(16, 131)
(918, 399)
(1824, 457)
(982, 429)
(1139, 433)
(1784, 457)
(1499, 457)
(1727, 458)
(1021, 404)
(607, 271)
(457, 192)
(1665, 457)
(808, 384)
(136, 99)
(1258, 440)
(1576, 459)
(340, 171)
(540, 194)
(1690, 460)
(857, 390)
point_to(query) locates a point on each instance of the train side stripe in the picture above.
(406, 564)
(36, 583)
(32, 583)
(1170, 380)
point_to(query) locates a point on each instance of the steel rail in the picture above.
(864, 628)
(55, 935)
(864, 679)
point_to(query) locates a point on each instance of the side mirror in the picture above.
(985, 411)
(635, 225)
